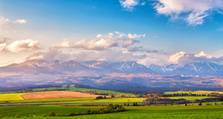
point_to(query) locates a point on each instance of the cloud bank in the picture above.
(20, 46)
(183, 58)
(102, 42)
(192, 11)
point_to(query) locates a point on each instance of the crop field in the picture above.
(194, 92)
(72, 88)
(189, 97)
(73, 100)
(133, 112)
(57, 94)
(48, 89)
(12, 96)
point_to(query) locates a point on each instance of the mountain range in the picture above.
(203, 68)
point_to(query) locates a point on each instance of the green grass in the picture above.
(73, 100)
(13, 96)
(192, 92)
(133, 112)
(41, 110)
(50, 100)
(72, 88)
(189, 97)
(120, 100)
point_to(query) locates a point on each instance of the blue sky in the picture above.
(169, 27)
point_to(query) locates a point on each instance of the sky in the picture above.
(146, 31)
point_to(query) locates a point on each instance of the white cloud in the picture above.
(183, 58)
(20, 46)
(129, 4)
(102, 42)
(8, 29)
(99, 36)
(4, 21)
(203, 54)
(109, 55)
(93, 44)
(192, 11)
(175, 57)
(136, 36)
(128, 42)
(120, 34)
(21, 21)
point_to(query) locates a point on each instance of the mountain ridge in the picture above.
(203, 68)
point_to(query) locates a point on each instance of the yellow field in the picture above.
(13, 96)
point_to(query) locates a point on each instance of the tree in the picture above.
(200, 104)
(52, 114)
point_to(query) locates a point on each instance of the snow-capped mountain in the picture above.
(131, 67)
(166, 69)
(198, 68)
(102, 67)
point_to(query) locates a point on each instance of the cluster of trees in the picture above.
(96, 93)
(109, 109)
(192, 94)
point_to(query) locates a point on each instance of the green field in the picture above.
(189, 97)
(193, 92)
(72, 88)
(72, 100)
(133, 112)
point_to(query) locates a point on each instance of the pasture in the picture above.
(73, 88)
(133, 112)
(73, 100)
(193, 92)
(190, 97)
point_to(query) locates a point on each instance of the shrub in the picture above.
(200, 104)
(208, 104)
(44, 115)
(17, 116)
(95, 112)
(110, 106)
(31, 115)
(88, 112)
(72, 114)
(60, 114)
(52, 114)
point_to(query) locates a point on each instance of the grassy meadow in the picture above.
(73, 88)
(132, 112)
(73, 100)
(190, 97)
(193, 92)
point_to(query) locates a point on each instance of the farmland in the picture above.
(11, 96)
(73, 100)
(193, 92)
(161, 112)
(190, 97)
(80, 100)
(73, 88)
(57, 94)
